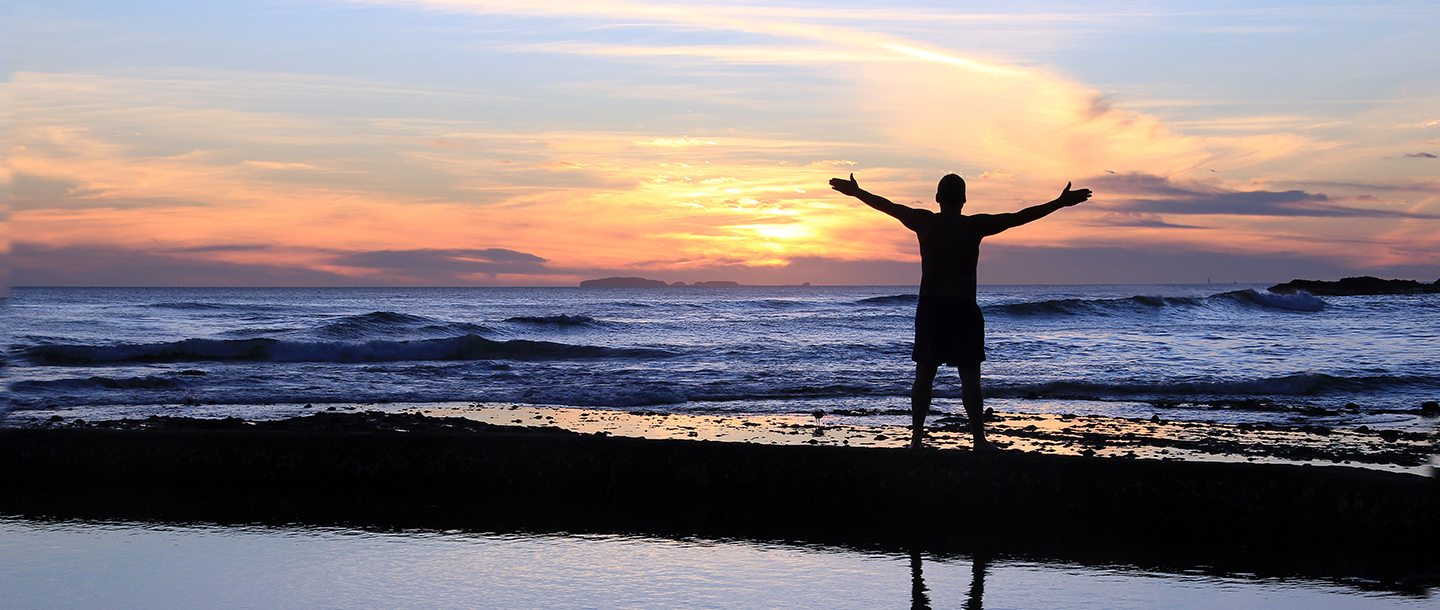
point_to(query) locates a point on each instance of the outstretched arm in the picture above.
(852, 188)
(1067, 198)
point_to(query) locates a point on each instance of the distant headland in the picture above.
(640, 282)
(1355, 286)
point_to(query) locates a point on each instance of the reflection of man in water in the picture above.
(949, 328)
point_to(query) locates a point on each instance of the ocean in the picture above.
(1217, 353)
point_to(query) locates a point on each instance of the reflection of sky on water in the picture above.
(130, 565)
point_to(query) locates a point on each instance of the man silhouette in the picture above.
(949, 328)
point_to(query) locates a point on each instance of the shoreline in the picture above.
(411, 470)
(1089, 435)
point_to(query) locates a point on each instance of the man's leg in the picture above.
(974, 399)
(920, 401)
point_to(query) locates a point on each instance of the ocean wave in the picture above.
(752, 304)
(375, 322)
(1146, 303)
(148, 382)
(897, 299)
(560, 320)
(467, 347)
(1078, 307)
(389, 324)
(1300, 301)
(209, 306)
(194, 306)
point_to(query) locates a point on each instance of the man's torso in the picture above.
(949, 253)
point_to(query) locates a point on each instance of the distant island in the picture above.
(622, 282)
(1355, 286)
(640, 282)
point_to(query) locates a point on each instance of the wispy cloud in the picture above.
(427, 263)
(1200, 199)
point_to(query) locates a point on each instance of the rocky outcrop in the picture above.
(1352, 286)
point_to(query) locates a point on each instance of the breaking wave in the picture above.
(1300, 301)
(898, 299)
(1248, 298)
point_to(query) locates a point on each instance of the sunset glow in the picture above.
(438, 142)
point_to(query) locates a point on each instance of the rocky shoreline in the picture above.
(409, 470)
(1356, 286)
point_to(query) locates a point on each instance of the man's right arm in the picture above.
(904, 214)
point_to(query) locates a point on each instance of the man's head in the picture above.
(951, 192)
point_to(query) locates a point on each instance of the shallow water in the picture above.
(118, 565)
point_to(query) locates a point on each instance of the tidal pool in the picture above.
(57, 564)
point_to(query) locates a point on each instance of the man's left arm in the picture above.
(1000, 222)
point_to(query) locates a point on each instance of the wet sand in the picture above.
(1406, 451)
(1064, 434)
(1086, 435)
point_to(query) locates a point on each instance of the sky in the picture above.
(544, 142)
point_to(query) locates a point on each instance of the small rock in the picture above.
(1155, 419)
(1430, 407)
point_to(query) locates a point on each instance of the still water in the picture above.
(117, 565)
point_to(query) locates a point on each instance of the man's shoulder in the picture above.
(914, 218)
(980, 222)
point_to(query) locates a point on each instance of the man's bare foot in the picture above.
(984, 446)
(916, 444)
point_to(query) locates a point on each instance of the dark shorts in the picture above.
(948, 330)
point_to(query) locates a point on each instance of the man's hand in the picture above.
(1067, 197)
(849, 187)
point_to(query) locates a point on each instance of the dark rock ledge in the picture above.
(392, 471)
(1355, 286)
